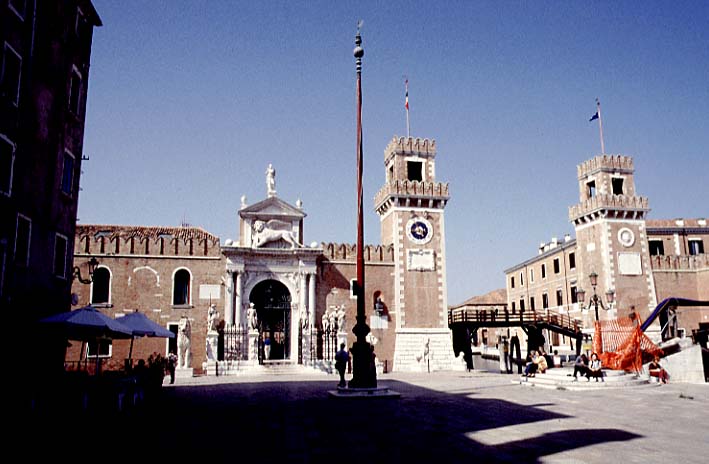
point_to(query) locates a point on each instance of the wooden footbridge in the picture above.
(466, 320)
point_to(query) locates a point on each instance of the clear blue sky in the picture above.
(189, 101)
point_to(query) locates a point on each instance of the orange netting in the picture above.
(622, 345)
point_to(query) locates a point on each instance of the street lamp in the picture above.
(93, 264)
(595, 300)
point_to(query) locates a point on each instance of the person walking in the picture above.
(171, 364)
(342, 357)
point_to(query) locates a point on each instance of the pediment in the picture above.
(272, 207)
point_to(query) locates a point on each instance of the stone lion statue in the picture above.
(184, 335)
(273, 230)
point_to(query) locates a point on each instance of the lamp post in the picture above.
(93, 264)
(595, 300)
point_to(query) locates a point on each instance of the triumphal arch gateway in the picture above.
(269, 299)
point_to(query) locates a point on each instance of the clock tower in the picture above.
(410, 207)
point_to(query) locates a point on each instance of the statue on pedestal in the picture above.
(184, 335)
(251, 317)
(271, 181)
(212, 316)
(341, 318)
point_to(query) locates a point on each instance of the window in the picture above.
(514, 308)
(18, 6)
(101, 286)
(75, 86)
(7, 161)
(591, 189)
(521, 304)
(574, 296)
(545, 301)
(696, 246)
(544, 271)
(391, 173)
(60, 243)
(82, 25)
(512, 282)
(22, 240)
(68, 173)
(10, 74)
(532, 306)
(617, 184)
(556, 266)
(559, 298)
(414, 170)
(531, 275)
(657, 247)
(3, 255)
(572, 260)
(102, 345)
(181, 287)
(521, 279)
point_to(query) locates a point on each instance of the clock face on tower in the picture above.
(419, 230)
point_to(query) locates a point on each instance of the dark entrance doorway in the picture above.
(272, 301)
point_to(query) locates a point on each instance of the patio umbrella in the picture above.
(142, 326)
(86, 324)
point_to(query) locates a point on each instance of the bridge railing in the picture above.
(482, 316)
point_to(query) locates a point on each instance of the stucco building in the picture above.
(638, 261)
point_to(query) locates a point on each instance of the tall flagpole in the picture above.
(600, 125)
(408, 128)
(364, 374)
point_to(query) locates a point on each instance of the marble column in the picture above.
(311, 299)
(238, 305)
(229, 299)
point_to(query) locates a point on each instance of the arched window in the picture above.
(101, 288)
(181, 287)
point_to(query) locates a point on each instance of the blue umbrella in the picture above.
(142, 326)
(86, 324)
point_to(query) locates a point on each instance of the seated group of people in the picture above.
(588, 369)
(536, 362)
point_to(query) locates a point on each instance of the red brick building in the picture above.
(45, 51)
(299, 293)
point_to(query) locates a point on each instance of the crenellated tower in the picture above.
(410, 206)
(611, 237)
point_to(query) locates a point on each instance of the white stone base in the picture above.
(183, 372)
(409, 351)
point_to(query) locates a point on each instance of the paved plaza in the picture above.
(440, 417)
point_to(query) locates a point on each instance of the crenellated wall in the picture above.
(142, 240)
(348, 252)
(620, 163)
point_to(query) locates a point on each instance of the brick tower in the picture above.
(410, 207)
(611, 236)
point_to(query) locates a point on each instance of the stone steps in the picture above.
(562, 379)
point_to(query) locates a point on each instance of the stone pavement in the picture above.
(440, 417)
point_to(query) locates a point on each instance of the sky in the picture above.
(189, 101)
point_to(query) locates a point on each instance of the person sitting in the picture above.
(595, 369)
(656, 370)
(541, 361)
(580, 366)
(530, 368)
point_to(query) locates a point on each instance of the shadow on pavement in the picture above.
(300, 422)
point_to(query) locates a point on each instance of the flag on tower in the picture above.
(595, 116)
(407, 95)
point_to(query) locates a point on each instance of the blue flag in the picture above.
(595, 116)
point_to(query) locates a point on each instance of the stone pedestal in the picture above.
(306, 347)
(253, 347)
(184, 372)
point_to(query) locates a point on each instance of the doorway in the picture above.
(272, 301)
